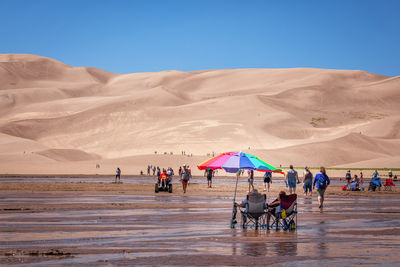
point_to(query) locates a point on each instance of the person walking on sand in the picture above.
(180, 171)
(361, 178)
(185, 178)
(348, 177)
(170, 172)
(390, 174)
(291, 177)
(307, 181)
(251, 180)
(375, 175)
(321, 181)
(209, 173)
(118, 175)
(158, 172)
(267, 180)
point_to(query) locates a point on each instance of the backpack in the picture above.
(322, 181)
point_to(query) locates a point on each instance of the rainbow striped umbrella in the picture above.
(233, 161)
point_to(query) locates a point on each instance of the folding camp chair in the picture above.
(374, 184)
(388, 184)
(285, 215)
(255, 213)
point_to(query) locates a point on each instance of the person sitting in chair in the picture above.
(164, 178)
(354, 186)
(244, 202)
(245, 205)
(272, 206)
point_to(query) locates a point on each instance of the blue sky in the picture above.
(146, 36)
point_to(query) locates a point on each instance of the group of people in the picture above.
(321, 182)
(353, 184)
(151, 168)
(184, 174)
(267, 179)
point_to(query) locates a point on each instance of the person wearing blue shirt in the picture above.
(321, 181)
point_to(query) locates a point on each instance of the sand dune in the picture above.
(68, 155)
(70, 115)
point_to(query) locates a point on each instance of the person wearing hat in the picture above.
(307, 181)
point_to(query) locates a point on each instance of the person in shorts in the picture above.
(291, 177)
(267, 180)
(185, 178)
(321, 181)
(209, 173)
(251, 180)
(307, 181)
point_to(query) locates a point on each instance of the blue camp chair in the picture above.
(374, 184)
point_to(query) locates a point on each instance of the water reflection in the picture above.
(307, 201)
(254, 249)
(288, 248)
(321, 245)
(234, 244)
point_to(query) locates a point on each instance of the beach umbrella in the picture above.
(233, 162)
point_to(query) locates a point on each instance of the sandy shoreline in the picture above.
(220, 190)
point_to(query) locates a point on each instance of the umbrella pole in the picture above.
(234, 209)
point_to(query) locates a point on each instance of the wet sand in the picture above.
(67, 223)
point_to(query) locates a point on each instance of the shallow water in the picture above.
(151, 180)
(348, 231)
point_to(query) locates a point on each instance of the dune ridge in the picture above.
(305, 116)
